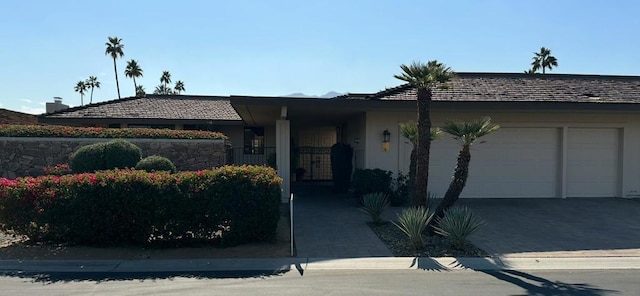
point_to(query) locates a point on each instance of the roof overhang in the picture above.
(265, 110)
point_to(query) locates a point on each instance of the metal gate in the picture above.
(316, 161)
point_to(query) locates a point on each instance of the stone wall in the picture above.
(28, 156)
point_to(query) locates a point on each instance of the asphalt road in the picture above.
(332, 282)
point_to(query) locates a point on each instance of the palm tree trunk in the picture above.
(412, 172)
(91, 99)
(423, 147)
(81, 99)
(135, 86)
(115, 69)
(460, 176)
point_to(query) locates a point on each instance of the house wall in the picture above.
(28, 156)
(623, 126)
(355, 135)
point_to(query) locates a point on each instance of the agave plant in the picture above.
(458, 224)
(374, 204)
(412, 222)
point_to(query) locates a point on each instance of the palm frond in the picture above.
(467, 132)
(423, 75)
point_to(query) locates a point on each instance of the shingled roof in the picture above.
(156, 107)
(515, 87)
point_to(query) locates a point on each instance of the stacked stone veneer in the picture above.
(28, 156)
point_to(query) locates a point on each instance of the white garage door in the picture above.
(513, 162)
(592, 162)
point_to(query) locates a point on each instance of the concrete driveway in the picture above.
(582, 227)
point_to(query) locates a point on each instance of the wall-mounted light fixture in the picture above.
(386, 138)
(356, 141)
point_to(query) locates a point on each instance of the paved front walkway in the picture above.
(329, 226)
(584, 227)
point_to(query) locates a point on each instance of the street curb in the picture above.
(278, 265)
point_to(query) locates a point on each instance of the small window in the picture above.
(254, 140)
(155, 126)
(200, 127)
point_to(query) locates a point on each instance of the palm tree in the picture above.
(424, 77)
(543, 60)
(114, 49)
(409, 130)
(165, 79)
(81, 87)
(162, 90)
(140, 91)
(134, 71)
(179, 87)
(92, 82)
(530, 71)
(466, 133)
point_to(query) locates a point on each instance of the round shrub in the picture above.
(156, 163)
(88, 158)
(121, 154)
(105, 156)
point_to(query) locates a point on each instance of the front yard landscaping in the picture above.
(435, 246)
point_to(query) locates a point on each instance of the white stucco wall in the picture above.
(396, 159)
(355, 134)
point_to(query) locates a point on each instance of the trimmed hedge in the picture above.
(371, 181)
(156, 163)
(227, 206)
(98, 132)
(105, 156)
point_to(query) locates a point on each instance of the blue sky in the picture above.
(279, 47)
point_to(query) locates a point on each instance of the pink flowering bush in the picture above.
(98, 132)
(227, 206)
(58, 169)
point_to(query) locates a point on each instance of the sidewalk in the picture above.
(278, 265)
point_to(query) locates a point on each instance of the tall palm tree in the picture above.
(140, 91)
(424, 77)
(466, 133)
(114, 49)
(81, 87)
(165, 79)
(92, 82)
(409, 130)
(179, 87)
(134, 71)
(543, 60)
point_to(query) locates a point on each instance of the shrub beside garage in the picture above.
(227, 206)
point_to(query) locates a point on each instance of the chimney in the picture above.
(57, 105)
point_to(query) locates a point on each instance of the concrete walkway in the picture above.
(584, 227)
(330, 226)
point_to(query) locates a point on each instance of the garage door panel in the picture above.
(513, 162)
(593, 162)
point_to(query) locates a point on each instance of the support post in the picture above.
(283, 156)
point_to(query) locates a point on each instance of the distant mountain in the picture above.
(328, 95)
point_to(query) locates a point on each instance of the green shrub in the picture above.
(225, 206)
(457, 225)
(412, 222)
(105, 156)
(98, 132)
(374, 204)
(121, 154)
(400, 193)
(370, 181)
(89, 158)
(156, 163)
